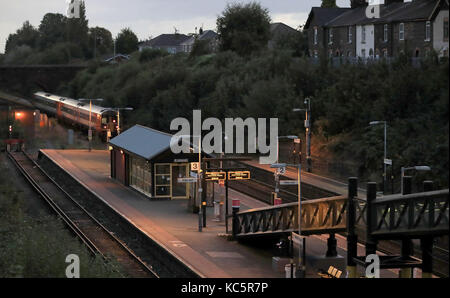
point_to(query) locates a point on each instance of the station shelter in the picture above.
(141, 158)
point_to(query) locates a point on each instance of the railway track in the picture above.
(96, 237)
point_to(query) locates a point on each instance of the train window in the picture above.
(104, 120)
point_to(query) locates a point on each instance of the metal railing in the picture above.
(319, 216)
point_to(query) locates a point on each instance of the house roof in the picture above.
(394, 12)
(117, 56)
(142, 141)
(206, 35)
(166, 40)
(281, 26)
(322, 15)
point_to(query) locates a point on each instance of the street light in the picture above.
(385, 151)
(277, 172)
(199, 175)
(90, 116)
(417, 168)
(302, 269)
(307, 111)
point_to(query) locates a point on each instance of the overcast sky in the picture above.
(147, 17)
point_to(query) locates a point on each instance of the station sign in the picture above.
(288, 182)
(195, 166)
(180, 160)
(213, 176)
(239, 175)
(187, 180)
(388, 162)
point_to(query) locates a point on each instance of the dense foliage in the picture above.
(244, 28)
(62, 40)
(345, 99)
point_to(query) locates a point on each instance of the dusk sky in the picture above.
(147, 17)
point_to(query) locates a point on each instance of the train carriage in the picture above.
(76, 112)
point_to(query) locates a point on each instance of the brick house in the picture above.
(415, 27)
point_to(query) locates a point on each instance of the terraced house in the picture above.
(414, 27)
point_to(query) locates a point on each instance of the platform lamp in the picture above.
(90, 119)
(307, 111)
(199, 176)
(385, 151)
(302, 254)
(417, 168)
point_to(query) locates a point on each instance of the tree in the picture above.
(77, 29)
(52, 30)
(329, 3)
(126, 41)
(27, 35)
(100, 41)
(244, 28)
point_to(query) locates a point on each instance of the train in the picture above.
(76, 113)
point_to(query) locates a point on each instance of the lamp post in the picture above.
(199, 178)
(278, 172)
(385, 151)
(417, 168)
(90, 119)
(307, 111)
(301, 254)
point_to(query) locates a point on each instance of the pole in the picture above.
(200, 189)
(426, 243)
(308, 137)
(352, 238)
(118, 122)
(385, 157)
(90, 126)
(302, 257)
(407, 245)
(226, 205)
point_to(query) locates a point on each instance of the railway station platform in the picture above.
(325, 183)
(169, 223)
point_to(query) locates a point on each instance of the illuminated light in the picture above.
(18, 114)
(34, 113)
(110, 148)
(121, 151)
(10, 128)
(114, 121)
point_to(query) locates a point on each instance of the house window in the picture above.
(428, 31)
(446, 29)
(315, 35)
(330, 36)
(363, 34)
(401, 31)
(386, 33)
(350, 34)
(385, 53)
(363, 53)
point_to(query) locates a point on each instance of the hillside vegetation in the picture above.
(413, 100)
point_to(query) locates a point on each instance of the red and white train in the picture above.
(76, 112)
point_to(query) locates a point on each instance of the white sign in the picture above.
(288, 182)
(180, 160)
(297, 141)
(388, 162)
(187, 180)
(195, 166)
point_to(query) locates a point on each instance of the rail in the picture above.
(86, 222)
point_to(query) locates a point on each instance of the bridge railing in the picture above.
(411, 215)
(318, 216)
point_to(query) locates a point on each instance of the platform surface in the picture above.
(170, 224)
